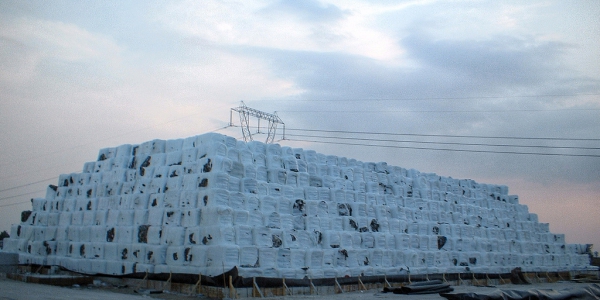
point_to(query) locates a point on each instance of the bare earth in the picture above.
(10, 289)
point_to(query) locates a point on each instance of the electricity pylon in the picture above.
(245, 114)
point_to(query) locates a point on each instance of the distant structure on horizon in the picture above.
(210, 203)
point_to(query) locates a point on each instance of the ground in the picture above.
(16, 290)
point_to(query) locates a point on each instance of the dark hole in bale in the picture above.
(374, 225)
(276, 241)
(363, 229)
(454, 261)
(435, 230)
(344, 253)
(441, 241)
(342, 209)
(170, 213)
(89, 205)
(71, 248)
(48, 249)
(353, 224)
(187, 255)
(207, 166)
(293, 237)
(19, 230)
(145, 164)
(175, 256)
(191, 238)
(89, 193)
(124, 254)
(143, 234)
(319, 236)
(142, 171)
(149, 255)
(53, 187)
(66, 183)
(136, 252)
(154, 202)
(133, 163)
(473, 260)
(110, 235)
(29, 248)
(174, 174)
(102, 157)
(206, 239)
(205, 199)
(203, 182)
(298, 206)
(82, 250)
(366, 261)
(25, 215)
(297, 156)
(123, 269)
(464, 264)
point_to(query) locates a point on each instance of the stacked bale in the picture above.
(208, 203)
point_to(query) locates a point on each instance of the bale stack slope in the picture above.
(209, 203)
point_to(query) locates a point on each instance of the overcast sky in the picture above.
(78, 76)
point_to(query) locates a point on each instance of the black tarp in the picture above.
(591, 291)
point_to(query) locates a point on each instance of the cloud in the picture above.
(307, 11)
(281, 25)
(518, 73)
(42, 42)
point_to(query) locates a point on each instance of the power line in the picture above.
(446, 149)
(56, 166)
(445, 135)
(28, 184)
(5, 205)
(36, 157)
(449, 143)
(436, 98)
(15, 196)
(433, 111)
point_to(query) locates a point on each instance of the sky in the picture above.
(457, 88)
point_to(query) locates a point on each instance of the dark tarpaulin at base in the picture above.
(237, 281)
(591, 291)
(420, 288)
(222, 280)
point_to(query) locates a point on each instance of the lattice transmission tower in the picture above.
(247, 112)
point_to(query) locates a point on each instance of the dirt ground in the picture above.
(16, 290)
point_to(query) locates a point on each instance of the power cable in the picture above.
(15, 196)
(107, 138)
(448, 143)
(435, 98)
(28, 184)
(447, 149)
(5, 205)
(56, 166)
(432, 111)
(444, 135)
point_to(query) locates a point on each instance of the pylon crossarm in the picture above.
(245, 112)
